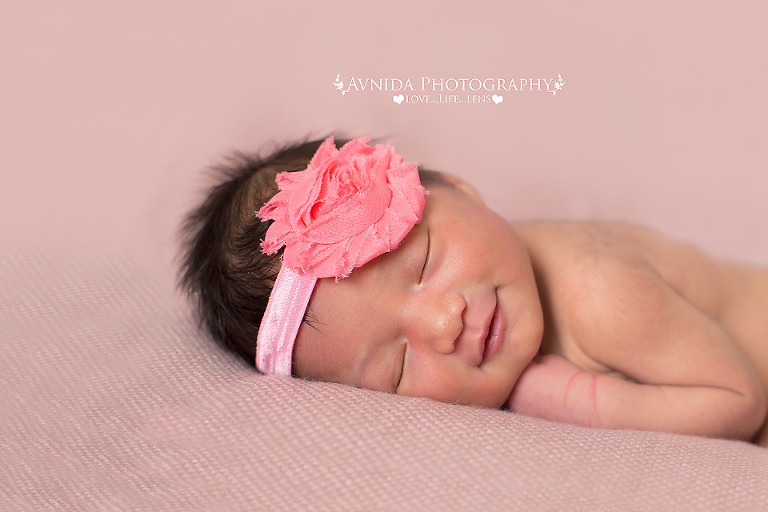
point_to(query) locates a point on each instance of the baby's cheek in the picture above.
(429, 379)
(445, 379)
(430, 376)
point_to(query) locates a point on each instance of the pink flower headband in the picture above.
(349, 206)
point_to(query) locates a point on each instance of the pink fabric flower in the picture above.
(349, 206)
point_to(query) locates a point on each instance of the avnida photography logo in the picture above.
(449, 90)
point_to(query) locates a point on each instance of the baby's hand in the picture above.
(553, 388)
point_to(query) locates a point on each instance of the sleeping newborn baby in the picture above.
(349, 265)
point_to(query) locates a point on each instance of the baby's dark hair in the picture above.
(223, 269)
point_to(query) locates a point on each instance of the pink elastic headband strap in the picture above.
(287, 304)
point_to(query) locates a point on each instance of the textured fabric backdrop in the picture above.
(113, 401)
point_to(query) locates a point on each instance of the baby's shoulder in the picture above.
(599, 277)
(589, 249)
(595, 279)
(626, 258)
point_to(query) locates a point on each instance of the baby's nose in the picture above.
(438, 322)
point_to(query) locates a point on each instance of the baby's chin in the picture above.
(494, 402)
(492, 396)
(499, 390)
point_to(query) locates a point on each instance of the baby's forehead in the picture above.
(443, 198)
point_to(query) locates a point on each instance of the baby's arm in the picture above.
(685, 373)
(554, 388)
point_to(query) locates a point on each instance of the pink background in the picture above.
(111, 113)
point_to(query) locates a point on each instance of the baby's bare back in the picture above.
(577, 262)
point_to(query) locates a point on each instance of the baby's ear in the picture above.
(463, 186)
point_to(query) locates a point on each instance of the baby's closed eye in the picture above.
(400, 366)
(426, 258)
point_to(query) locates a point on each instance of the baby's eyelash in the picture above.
(426, 259)
(402, 368)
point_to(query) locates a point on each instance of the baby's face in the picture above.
(452, 314)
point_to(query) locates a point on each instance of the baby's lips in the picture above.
(493, 338)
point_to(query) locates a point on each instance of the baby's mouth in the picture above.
(495, 329)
